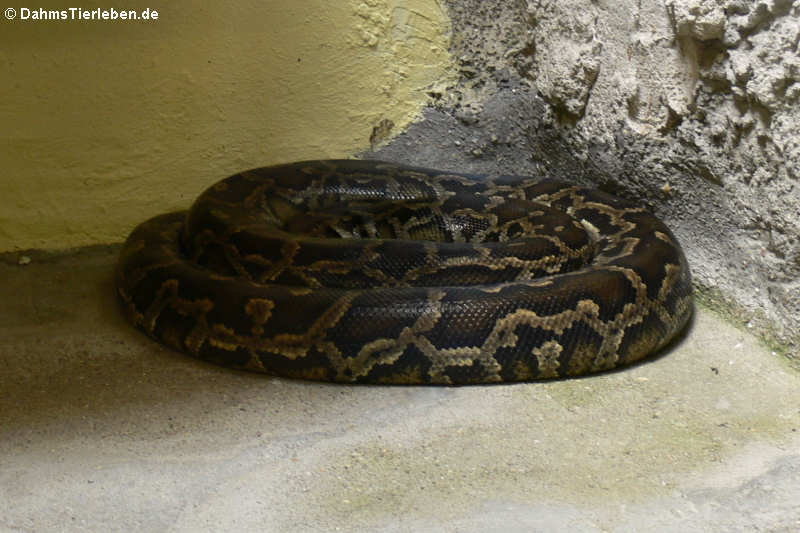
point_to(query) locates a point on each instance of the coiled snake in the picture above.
(365, 271)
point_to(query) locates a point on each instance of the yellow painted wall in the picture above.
(104, 123)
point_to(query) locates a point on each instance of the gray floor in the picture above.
(103, 430)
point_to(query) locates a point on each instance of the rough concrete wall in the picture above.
(691, 106)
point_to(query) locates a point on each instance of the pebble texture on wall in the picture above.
(691, 105)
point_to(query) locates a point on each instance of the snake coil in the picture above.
(366, 271)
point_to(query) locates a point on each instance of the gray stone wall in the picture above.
(691, 106)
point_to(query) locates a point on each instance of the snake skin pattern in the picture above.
(373, 272)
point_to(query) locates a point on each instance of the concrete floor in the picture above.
(103, 430)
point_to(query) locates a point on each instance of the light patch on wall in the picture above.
(110, 123)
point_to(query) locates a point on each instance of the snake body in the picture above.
(366, 271)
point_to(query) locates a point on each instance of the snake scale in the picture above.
(375, 272)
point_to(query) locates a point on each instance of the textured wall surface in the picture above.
(692, 106)
(108, 123)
